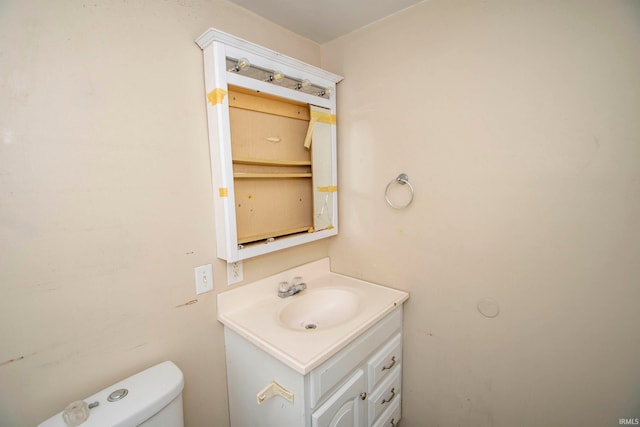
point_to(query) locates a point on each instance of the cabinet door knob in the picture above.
(363, 395)
(393, 362)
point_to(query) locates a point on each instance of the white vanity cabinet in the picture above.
(272, 141)
(360, 385)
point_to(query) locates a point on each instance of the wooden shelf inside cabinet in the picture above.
(246, 175)
(269, 162)
(258, 237)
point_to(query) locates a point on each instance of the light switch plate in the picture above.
(204, 278)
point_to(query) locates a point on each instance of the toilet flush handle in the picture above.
(118, 395)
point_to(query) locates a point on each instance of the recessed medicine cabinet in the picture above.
(272, 141)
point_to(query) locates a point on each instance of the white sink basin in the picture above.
(304, 330)
(320, 309)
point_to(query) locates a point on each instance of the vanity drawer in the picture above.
(390, 417)
(384, 361)
(385, 395)
(334, 371)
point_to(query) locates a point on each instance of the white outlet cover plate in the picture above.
(234, 272)
(204, 278)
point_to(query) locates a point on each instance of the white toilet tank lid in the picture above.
(148, 392)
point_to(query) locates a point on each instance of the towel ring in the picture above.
(402, 179)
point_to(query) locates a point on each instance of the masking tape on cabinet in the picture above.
(330, 189)
(216, 96)
(317, 117)
(224, 191)
(321, 117)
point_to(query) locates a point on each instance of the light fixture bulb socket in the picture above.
(326, 92)
(242, 64)
(275, 76)
(302, 84)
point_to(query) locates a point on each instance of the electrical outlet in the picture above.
(204, 278)
(234, 272)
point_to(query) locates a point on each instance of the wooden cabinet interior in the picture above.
(271, 167)
(272, 146)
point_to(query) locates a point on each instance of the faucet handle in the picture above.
(284, 287)
(298, 280)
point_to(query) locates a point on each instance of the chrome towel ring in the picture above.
(402, 179)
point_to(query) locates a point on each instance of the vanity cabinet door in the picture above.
(345, 407)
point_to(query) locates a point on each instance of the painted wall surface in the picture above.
(518, 123)
(105, 204)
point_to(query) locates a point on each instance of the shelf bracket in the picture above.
(273, 389)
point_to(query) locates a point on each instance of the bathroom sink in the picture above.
(320, 309)
(306, 329)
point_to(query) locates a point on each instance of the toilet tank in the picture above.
(153, 399)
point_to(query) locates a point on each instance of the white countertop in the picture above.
(252, 311)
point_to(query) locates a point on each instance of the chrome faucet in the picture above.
(286, 290)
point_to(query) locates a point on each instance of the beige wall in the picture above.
(518, 124)
(105, 204)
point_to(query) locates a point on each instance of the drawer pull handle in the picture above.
(393, 362)
(393, 422)
(393, 394)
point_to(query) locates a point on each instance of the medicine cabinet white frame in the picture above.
(217, 47)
